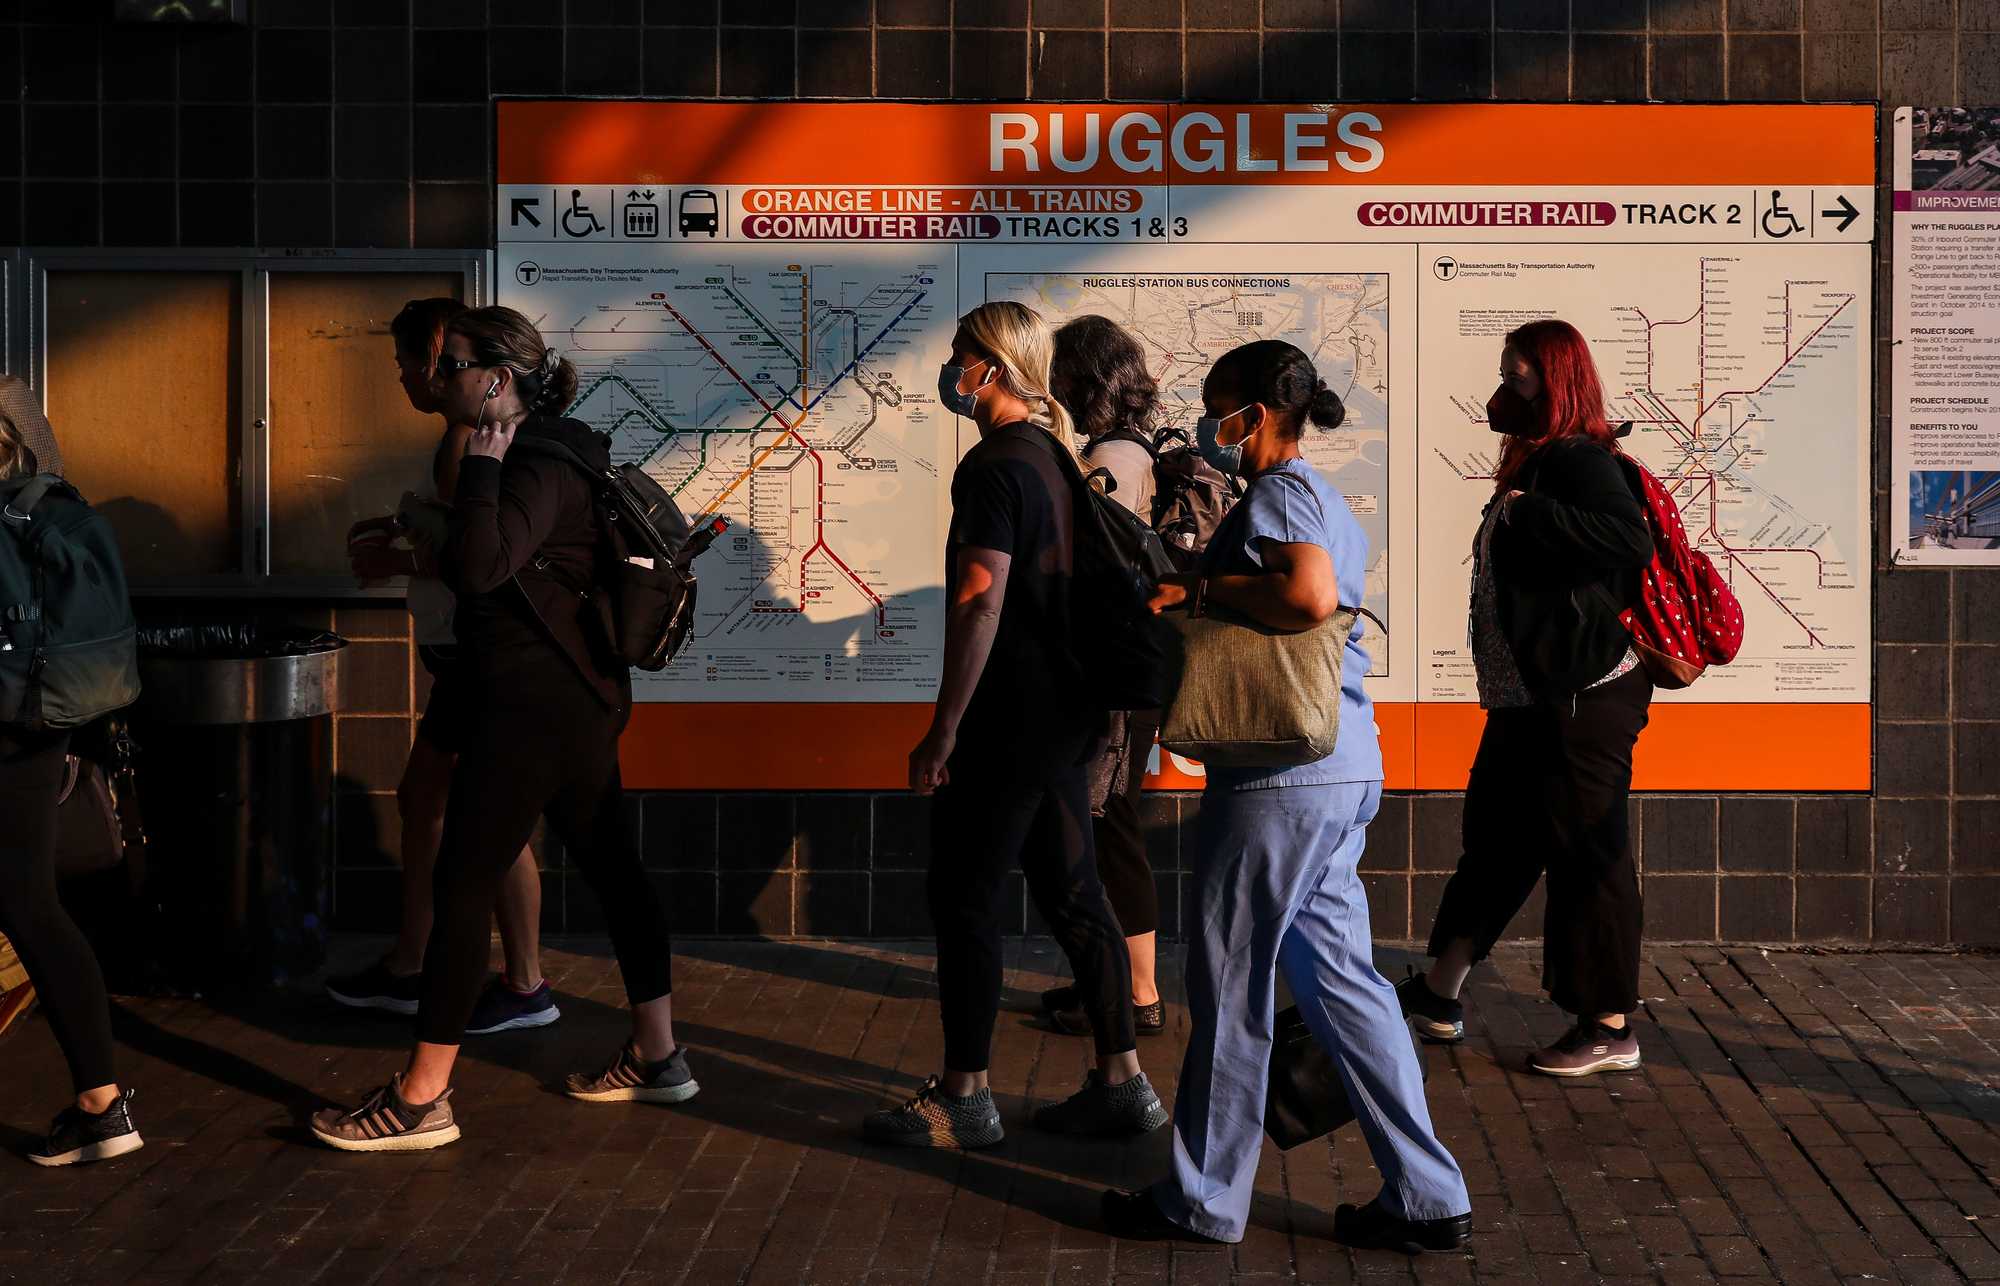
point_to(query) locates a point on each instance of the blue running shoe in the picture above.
(501, 1008)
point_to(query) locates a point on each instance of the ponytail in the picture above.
(1020, 344)
(502, 337)
(1282, 377)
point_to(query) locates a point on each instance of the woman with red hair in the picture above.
(1557, 558)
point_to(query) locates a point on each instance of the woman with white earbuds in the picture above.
(549, 702)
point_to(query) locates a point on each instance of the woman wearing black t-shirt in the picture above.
(1004, 757)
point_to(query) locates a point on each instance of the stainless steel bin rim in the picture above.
(263, 689)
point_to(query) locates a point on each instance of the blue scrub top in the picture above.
(1292, 505)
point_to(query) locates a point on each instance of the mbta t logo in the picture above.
(528, 273)
(1445, 267)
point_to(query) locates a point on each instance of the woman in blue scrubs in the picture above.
(1277, 849)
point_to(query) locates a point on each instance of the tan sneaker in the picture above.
(385, 1122)
(1588, 1048)
(629, 1078)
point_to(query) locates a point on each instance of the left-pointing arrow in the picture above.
(524, 208)
(1844, 211)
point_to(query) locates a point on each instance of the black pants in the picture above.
(1548, 791)
(1121, 838)
(67, 980)
(980, 826)
(547, 747)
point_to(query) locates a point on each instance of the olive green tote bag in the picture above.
(1255, 697)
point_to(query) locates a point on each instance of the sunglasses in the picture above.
(450, 366)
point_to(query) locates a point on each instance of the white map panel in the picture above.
(1745, 377)
(1187, 320)
(792, 392)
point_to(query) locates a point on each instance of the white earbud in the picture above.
(493, 391)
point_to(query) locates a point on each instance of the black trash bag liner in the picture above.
(236, 640)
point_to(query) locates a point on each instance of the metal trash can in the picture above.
(235, 726)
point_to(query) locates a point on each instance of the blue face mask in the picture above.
(1224, 459)
(948, 395)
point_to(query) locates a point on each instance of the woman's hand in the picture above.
(1173, 591)
(490, 440)
(372, 531)
(927, 770)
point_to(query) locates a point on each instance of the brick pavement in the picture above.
(1800, 1118)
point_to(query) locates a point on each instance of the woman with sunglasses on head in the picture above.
(548, 703)
(1277, 849)
(1004, 756)
(1559, 554)
(519, 996)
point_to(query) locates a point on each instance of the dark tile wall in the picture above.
(366, 123)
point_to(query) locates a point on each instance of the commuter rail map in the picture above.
(758, 298)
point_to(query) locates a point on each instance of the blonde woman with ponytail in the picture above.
(1005, 757)
(544, 709)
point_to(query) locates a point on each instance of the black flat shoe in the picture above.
(1135, 1216)
(1147, 1020)
(1370, 1227)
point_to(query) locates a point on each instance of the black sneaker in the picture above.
(387, 1122)
(1588, 1048)
(1370, 1227)
(1135, 1216)
(77, 1135)
(1438, 1021)
(935, 1119)
(629, 1078)
(501, 1008)
(1147, 1020)
(376, 988)
(1100, 1109)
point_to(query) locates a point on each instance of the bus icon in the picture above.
(700, 212)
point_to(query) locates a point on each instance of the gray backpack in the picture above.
(1190, 498)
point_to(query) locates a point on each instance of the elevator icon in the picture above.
(642, 214)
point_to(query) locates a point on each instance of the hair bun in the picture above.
(550, 359)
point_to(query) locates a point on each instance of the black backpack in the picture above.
(1129, 658)
(648, 604)
(68, 643)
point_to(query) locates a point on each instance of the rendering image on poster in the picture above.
(1954, 149)
(1954, 510)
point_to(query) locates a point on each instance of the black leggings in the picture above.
(545, 748)
(1121, 838)
(980, 826)
(1548, 790)
(67, 980)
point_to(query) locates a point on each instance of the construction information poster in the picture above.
(758, 298)
(1945, 443)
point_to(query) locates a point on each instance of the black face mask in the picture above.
(1510, 413)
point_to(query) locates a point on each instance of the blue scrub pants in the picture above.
(1276, 888)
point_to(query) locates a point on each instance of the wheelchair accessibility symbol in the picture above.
(1778, 221)
(578, 220)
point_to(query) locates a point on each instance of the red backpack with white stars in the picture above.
(1687, 618)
